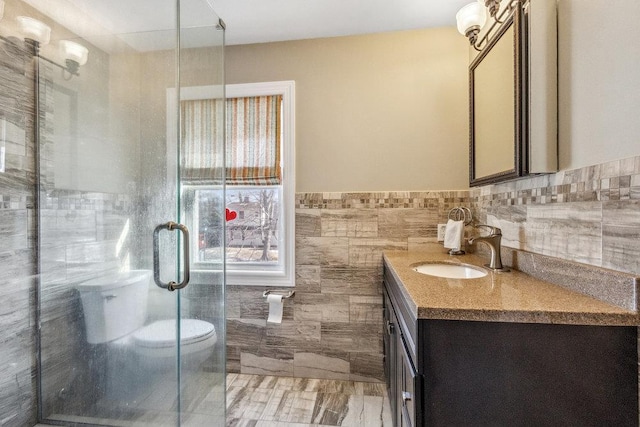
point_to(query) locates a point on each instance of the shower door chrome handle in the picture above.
(172, 286)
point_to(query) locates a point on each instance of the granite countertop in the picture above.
(501, 297)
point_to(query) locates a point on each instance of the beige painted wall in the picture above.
(599, 81)
(398, 101)
(373, 113)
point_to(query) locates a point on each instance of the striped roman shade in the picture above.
(253, 140)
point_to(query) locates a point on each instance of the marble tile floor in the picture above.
(259, 401)
(269, 401)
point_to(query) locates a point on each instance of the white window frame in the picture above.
(255, 276)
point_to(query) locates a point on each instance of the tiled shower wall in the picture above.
(589, 215)
(78, 235)
(81, 237)
(17, 240)
(332, 328)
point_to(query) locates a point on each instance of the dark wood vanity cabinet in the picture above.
(462, 373)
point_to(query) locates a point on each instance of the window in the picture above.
(259, 172)
(252, 236)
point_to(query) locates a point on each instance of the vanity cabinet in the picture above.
(459, 373)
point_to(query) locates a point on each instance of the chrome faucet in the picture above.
(493, 241)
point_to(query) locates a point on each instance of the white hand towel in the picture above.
(454, 235)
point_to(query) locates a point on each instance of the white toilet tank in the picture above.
(114, 305)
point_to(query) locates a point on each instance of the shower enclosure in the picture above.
(110, 172)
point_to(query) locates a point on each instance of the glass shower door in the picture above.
(202, 384)
(114, 347)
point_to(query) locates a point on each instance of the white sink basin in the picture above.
(451, 271)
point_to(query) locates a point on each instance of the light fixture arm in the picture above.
(70, 68)
(34, 47)
(472, 35)
(493, 6)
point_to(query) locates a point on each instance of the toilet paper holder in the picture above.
(285, 294)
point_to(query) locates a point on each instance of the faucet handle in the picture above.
(494, 231)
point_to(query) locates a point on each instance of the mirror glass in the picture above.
(494, 99)
(497, 140)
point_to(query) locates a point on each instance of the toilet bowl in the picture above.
(116, 314)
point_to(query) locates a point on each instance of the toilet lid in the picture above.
(162, 333)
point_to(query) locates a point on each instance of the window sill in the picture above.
(244, 278)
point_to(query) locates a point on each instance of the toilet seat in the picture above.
(158, 339)
(162, 333)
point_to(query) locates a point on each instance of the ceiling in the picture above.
(247, 21)
(257, 21)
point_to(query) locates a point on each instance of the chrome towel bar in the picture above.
(285, 294)
(461, 214)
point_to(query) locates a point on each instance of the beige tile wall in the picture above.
(332, 328)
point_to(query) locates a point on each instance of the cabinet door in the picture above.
(403, 382)
(407, 393)
(399, 415)
(391, 356)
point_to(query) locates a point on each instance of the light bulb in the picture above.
(471, 16)
(32, 29)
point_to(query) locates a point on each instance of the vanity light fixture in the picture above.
(37, 34)
(74, 55)
(472, 18)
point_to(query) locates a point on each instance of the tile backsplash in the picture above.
(589, 215)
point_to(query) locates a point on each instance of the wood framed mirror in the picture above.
(498, 105)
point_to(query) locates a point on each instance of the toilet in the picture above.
(117, 313)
